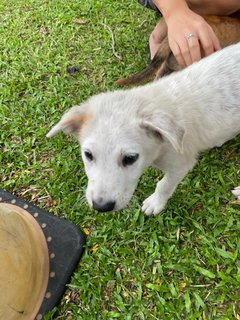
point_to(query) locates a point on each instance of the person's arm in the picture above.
(187, 31)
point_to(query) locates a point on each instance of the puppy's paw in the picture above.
(152, 205)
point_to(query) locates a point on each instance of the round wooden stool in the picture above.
(24, 264)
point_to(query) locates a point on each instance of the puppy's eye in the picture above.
(129, 159)
(88, 155)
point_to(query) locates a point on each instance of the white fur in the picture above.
(236, 192)
(167, 123)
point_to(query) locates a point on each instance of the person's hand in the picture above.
(187, 34)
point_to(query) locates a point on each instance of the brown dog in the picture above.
(226, 28)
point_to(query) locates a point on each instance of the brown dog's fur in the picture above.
(226, 28)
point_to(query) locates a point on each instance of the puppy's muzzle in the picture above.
(103, 207)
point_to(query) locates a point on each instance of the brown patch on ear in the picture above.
(74, 123)
(70, 123)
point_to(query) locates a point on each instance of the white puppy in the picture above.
(165, 124)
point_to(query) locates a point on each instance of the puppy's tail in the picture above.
(145, 75)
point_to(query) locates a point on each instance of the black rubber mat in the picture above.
(65, 246)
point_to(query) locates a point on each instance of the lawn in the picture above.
(181, 264)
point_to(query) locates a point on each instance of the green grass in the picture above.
(181, 264)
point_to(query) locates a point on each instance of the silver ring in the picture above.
(190, 36)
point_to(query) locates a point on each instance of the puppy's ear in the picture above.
(71, 122)
(162, 126)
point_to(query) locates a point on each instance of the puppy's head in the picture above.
(118, 141)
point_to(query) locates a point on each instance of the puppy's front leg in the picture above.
(164, 189)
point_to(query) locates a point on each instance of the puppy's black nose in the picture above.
(103, 207)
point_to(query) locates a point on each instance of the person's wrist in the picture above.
(177, 14)
(170, 8)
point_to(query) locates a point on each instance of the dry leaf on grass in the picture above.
(79, 21)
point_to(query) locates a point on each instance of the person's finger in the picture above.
(209, 43)
(177, 54)
(194, 48)
(207, 46)
(216, 43)
(185, 52)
